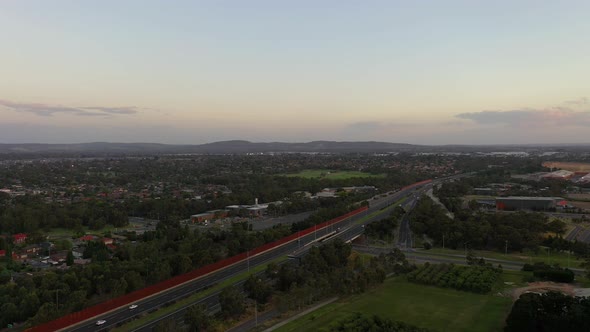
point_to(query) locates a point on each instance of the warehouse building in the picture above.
(528, 203)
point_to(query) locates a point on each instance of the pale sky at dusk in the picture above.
(424, 72)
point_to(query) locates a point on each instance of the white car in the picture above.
(100, 322)
(133, 306)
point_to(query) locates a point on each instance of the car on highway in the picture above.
(133, 306)
(100, 322)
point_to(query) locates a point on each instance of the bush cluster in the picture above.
(476, 279)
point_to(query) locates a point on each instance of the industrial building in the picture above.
(209, 215)
(512, 203)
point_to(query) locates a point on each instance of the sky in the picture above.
(191, 72)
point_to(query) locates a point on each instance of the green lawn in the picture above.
(334, 175)
(438, 309)
(69, 233)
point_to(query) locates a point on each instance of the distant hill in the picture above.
(241, 147)
(224, 147)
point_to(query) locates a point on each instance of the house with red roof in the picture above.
(87, 238)
(19, 238)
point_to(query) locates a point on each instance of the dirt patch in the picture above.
(543, 287)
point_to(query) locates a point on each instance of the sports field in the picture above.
(333, 175)
(438, 309)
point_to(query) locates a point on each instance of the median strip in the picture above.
(152, 317)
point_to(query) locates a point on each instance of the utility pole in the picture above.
(443, 241)
(248, 259)
(506, 250)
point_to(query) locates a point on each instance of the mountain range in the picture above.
(242, 147)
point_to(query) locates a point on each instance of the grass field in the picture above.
(438, 309)
(69, 233)
(333, 175)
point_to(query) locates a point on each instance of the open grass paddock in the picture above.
(438, 309)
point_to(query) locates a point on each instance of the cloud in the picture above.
(527, 117)
(49, 110)
(113, 110)
(578, 102)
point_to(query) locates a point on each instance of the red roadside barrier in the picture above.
(140, 294)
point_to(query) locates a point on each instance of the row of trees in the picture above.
(476, 278)
(555, 273)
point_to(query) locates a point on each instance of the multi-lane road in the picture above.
(349, 228)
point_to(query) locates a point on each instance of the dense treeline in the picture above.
(555, 273)
(549, 312)
(331, 270)
(170, 250)
(490, 231)
(476, 278)
(30, 214)
(361, 322)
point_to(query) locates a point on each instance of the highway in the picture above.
(424, 256)
(345, 234)
(405, 238)
(349, 228)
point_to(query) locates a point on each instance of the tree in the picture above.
(70, 258)
(257, 289)
(197, 318)
(232, 302)
(167, 325)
